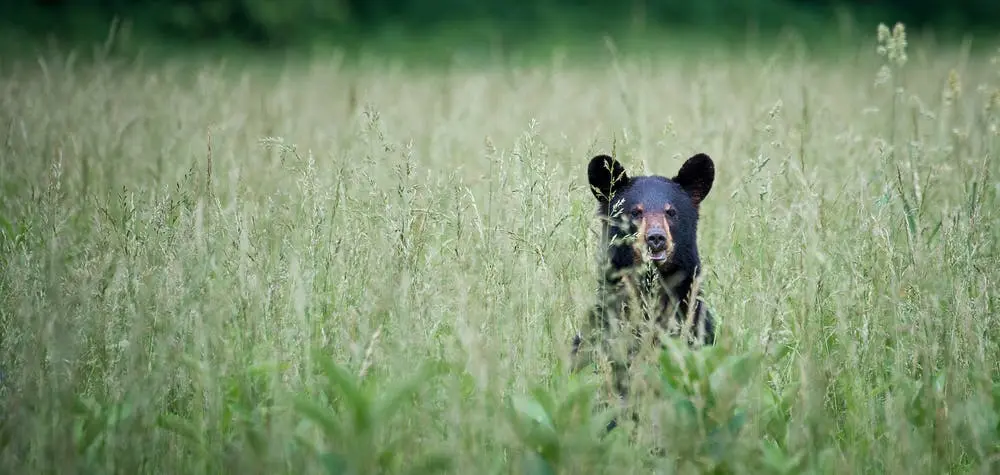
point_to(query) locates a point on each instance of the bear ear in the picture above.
(606, 176)
(696, 177)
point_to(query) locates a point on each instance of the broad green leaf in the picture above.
(736, 422)
(321, 416)
(532, 410)
(534, 464)
(356, 399)
(534, 426)
(686, 411)
(670, 372)
(578, 399)
(777, 460)
(789, 394)
(545, 400)
(743, 368)
(394, 396)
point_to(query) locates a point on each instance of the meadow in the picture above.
(370, 267)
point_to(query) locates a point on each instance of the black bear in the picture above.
(651, 263)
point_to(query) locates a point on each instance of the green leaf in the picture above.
(90, 430)
(534, 426)
(670, 372)
(780, 351)
(534, 464)
(736, 422)
(348, 385)
(545, 400)
(934, 232)
(394, 397)
(939, 383)
(686, 411)
(701, 364)
(307, 444)
(578, 399)
(743, 367)
(435, 463)
(532, 410)
(789, 394)
(777, 461)
(181, 427)
(333, 464)
(386, 456)
(6, 229)
(717, 445)
(321, 416)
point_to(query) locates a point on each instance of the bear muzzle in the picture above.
(657, 243)
(655, 238)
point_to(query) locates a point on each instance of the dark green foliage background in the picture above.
(283, 22)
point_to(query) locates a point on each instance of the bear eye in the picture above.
(671, 212)
(636, 213)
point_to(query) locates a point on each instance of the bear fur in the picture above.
(650, 262)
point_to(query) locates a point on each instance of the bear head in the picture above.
(652, 220)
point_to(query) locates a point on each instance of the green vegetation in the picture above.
(281, 24)
(333, 268)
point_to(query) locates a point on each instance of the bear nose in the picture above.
(656, 240)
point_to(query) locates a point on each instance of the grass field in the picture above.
(331, 267)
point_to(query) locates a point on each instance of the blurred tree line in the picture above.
(280, 21)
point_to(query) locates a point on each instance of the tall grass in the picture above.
(340, 269)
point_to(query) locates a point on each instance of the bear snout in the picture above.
(656, 239)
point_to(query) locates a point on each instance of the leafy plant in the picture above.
(703, 388)
(561, 432)
(355, 422)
